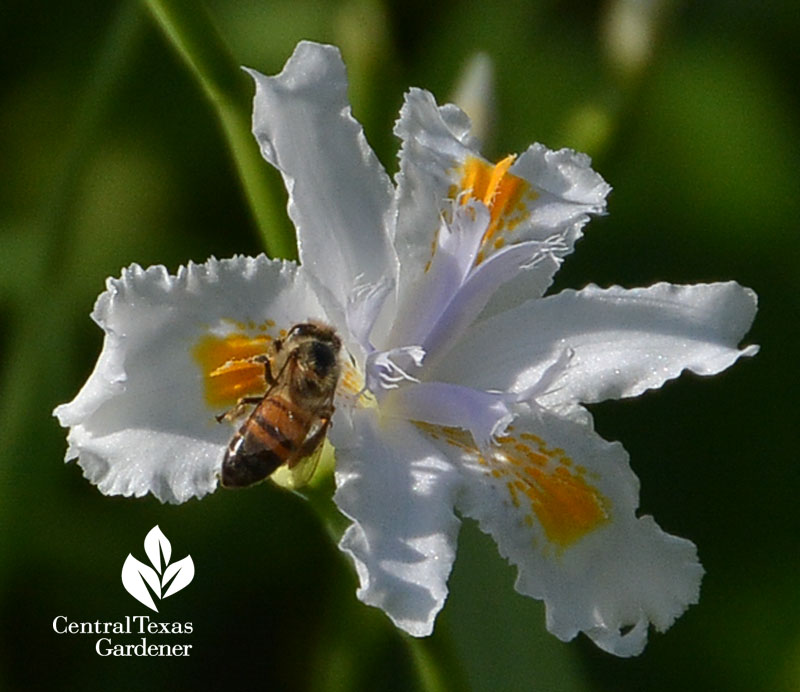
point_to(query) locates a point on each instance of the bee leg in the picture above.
(265, 359)
(268, 376)
(238, 409)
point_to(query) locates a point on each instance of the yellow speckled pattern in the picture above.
(543, 483)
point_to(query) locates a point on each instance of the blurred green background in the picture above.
(111, 155)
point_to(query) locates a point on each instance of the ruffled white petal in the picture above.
(622, 342)
(561, 503)
(435, 141)
(140, 460)
(558, 193)
(141, 422)
(569, 192)
(399, 492)
(484, 282)
(339, 194)
(441, 282)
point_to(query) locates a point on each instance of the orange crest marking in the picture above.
(542, 482)
(566, 505)
(505, 194)
(228, 375)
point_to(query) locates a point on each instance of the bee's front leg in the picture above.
(268, 376)
(238, 408)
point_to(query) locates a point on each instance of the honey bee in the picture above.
(289, 422)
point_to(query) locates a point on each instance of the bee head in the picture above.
(316, 349)
(313, 330)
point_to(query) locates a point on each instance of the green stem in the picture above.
(437, 670)
(190, 30)
(38, 348)
(430, 668)
(56, 213)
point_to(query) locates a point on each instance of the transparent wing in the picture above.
(302, 472)
(298, 474)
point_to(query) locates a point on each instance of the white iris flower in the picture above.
(462, 387)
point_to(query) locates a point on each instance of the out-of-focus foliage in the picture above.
(111, 155)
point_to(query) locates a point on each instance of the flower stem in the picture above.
(429, 662)
(191, 32)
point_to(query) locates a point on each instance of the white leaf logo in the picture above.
(137, 576)
(155, 545)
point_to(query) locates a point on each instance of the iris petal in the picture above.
(143, 421)
(561, 504)
(399, 491)
(339, 194)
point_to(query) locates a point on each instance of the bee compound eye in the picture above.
(323, 356)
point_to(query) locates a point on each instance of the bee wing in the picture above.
(303, 471)
(300, 472)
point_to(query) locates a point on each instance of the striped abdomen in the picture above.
(272, 435)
